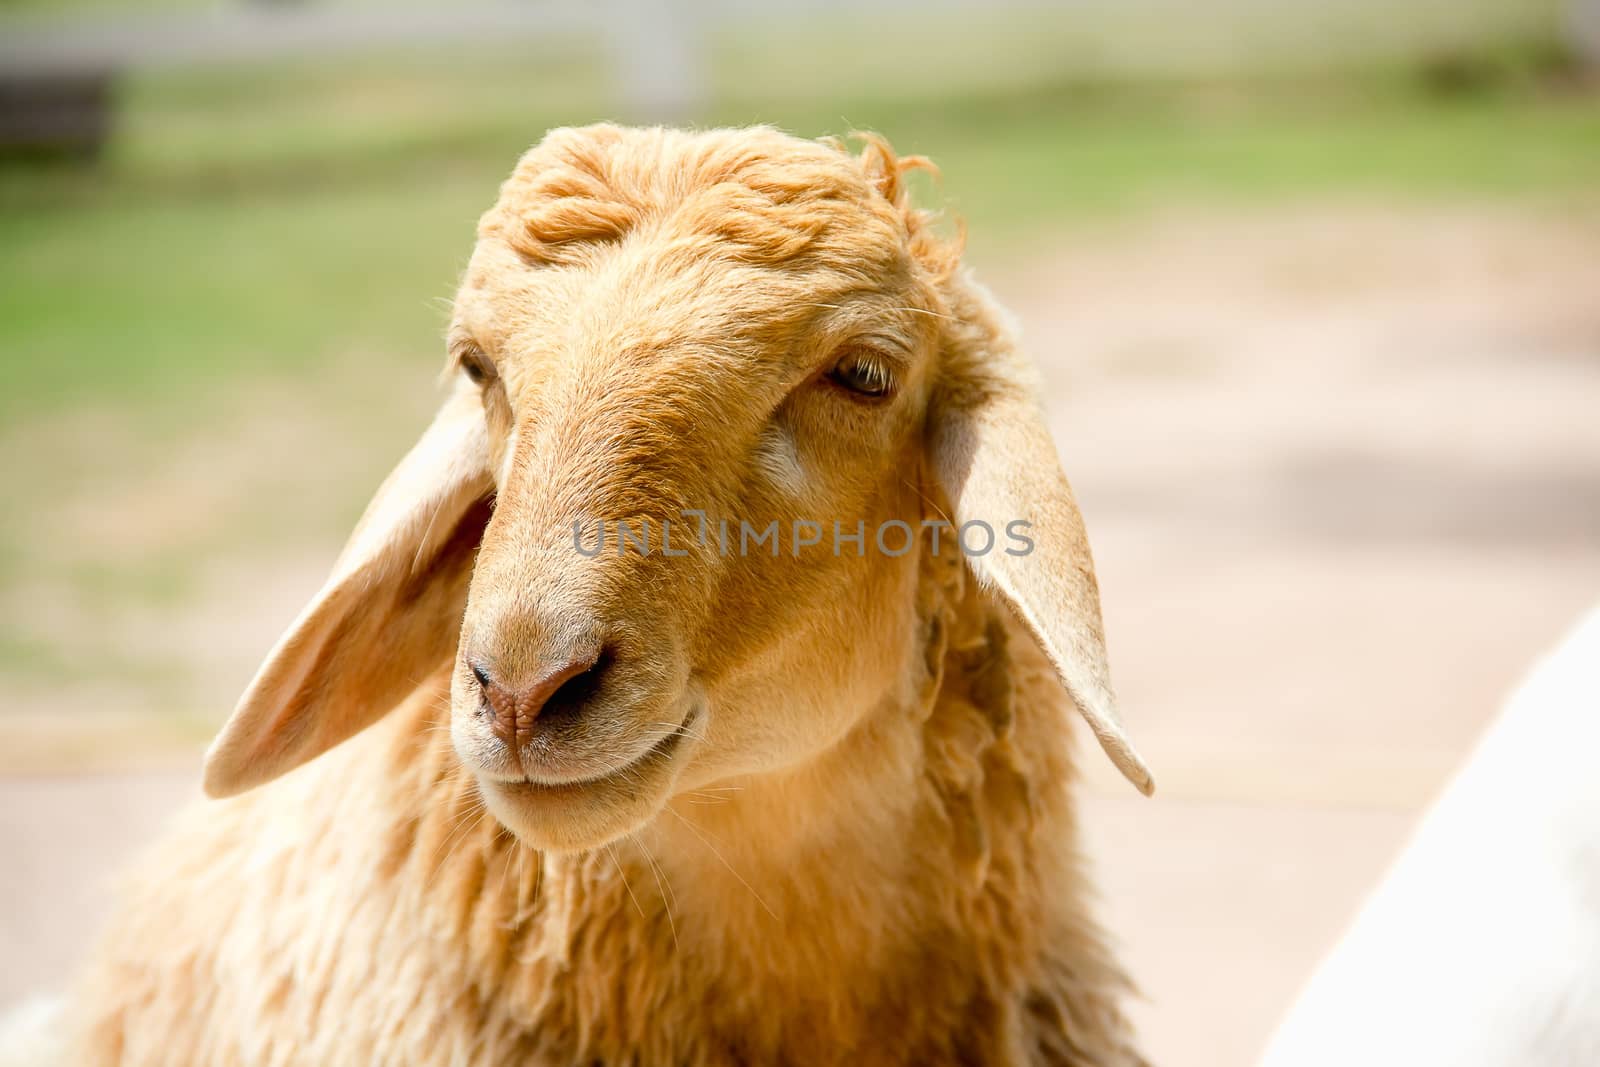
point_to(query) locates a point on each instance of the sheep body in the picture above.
(364, 910)
(1481, 946)
(31, 1033)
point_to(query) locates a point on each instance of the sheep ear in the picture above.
(389, 614)
(993, 458)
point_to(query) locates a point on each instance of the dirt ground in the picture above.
(1342, 472)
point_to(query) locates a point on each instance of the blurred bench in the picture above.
(55, 115)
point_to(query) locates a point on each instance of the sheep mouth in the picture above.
(639, 774)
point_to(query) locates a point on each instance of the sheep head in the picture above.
(709, 391)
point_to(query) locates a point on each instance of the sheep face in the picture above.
(704, 364)
(713, 395)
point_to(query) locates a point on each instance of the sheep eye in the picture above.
(863, 372)
(477, 367)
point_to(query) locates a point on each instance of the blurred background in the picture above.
(1315, 286)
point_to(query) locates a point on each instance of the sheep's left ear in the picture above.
(389, 615)
(993, 457)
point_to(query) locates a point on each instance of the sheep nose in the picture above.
(512, 709)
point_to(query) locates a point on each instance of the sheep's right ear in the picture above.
(993, 457)
(389, 615)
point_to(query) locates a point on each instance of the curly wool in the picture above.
(365, 910)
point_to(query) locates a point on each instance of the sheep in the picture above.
(30, 1032)
(579, 758)
(1482, 944)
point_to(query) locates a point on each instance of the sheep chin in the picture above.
(593, 812)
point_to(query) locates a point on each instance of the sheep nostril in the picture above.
(481, 675)
(570, 697)
(512, 708)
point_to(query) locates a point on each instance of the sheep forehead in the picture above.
(715, 253)
(633, 310)
(636, 306)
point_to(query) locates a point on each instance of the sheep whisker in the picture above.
(661, 887)
(694, 830)
(624, 875)
(456, 837)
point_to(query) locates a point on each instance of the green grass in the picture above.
(1115, 161)
(107, 299)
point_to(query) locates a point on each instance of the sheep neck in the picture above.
(924, 870)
